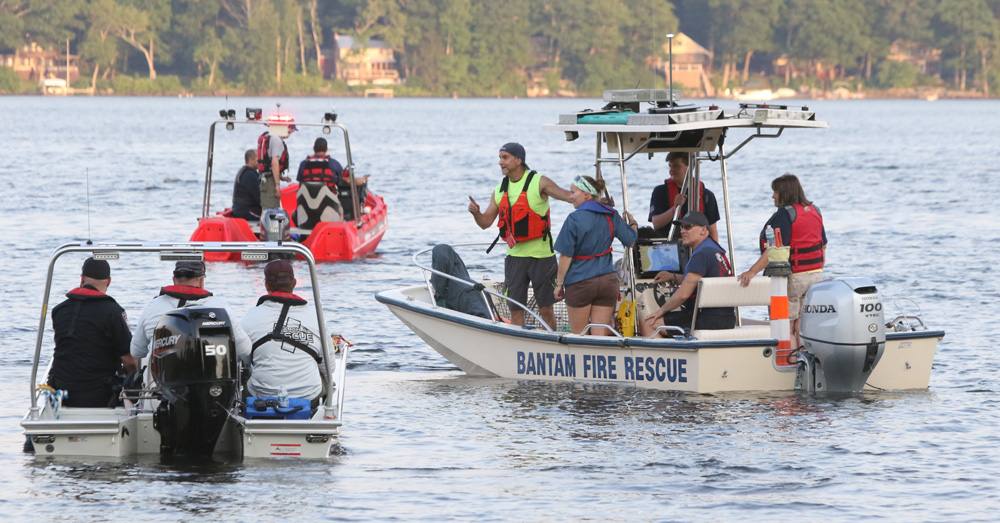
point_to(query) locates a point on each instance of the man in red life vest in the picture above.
(521, 201)
(799, 225)
(92, 340)
(668, 197)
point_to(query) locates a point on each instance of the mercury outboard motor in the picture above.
(843, 332)
(195, 364)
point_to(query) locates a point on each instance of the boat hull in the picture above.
(328, 241)
(481, 347)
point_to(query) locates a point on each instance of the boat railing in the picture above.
(668, 328)
(483, 290)
(605, 325)
(257, 251)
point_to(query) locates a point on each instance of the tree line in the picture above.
(492, 47)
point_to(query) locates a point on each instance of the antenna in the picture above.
(670, 65)
(89, 242)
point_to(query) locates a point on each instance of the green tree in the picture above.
(965, 27)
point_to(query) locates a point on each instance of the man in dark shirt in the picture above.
(668, 197)
(92, 340)
(708, 260)
(246, 190)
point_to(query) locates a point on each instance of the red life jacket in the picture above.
(519, 222)
(264, 156)
(673, 190)
(589, 256)
(807, 237)
(317, 169)
(184, 293)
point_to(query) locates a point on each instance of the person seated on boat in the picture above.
(188, 290)
(316, 200)
(668, 197)
(91, 341)
(800, 224)
(246, 189)
(530, 258)
(587, 277)
(333, 176)
(272, 162)
(287, 350)
(707, 260)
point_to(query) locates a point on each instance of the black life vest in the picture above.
(241, 198)
(79, 296)
(264, 156)
(286, 300)
(184, 293)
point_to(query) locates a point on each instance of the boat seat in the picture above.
(315, 203)
(727, 292)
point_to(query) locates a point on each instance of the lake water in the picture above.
(908, 190)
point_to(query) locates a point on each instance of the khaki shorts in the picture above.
(798, 285)
(267, 198)
(601, 291)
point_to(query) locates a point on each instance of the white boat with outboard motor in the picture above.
(351, 232)
(193, 405)
(848, 345)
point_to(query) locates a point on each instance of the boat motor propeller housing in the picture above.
(195, 364)
(843, 333)
(275, 226)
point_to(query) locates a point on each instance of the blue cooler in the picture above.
(267, 408)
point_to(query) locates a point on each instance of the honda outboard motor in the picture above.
(843, 332)
(195, 364)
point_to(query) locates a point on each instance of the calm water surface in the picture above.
(908, 190)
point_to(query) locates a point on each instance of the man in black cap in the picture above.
(708, 260)
(92, 339)
(530, 259)
(287, 350)
(188, 290)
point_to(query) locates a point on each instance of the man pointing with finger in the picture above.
(521, 201)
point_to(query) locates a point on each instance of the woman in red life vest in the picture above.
(799, 225)
(586, 274)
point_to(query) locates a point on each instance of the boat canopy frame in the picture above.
(172, 251)
(326, 126)
(703, 130)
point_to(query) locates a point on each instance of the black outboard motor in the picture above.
(195, 363)
(843, 332)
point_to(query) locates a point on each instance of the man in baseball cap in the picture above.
(707, 260)
(530, 258)
(285, 333)
(92, 337)
(188, 290)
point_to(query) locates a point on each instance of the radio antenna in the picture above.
(89, 241)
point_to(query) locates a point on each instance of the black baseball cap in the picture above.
(693, 218)
(96, 269)
(189, 269)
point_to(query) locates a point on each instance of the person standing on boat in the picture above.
(521, 201)
(668, 197)
(188, 290)
(272, 162)
(246, 189)
(800, 224)
(586, 275)
(708, 260)
(92, 339)
(286, 339)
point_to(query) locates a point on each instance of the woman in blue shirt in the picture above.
(586, 275)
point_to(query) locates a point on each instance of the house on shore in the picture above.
(373, 62)
(32, 62)
(691, 65)
(926, 60)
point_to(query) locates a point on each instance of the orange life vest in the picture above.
(519, 222)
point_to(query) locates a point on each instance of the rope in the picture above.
(53, 397)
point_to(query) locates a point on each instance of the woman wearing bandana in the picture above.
(586, 275)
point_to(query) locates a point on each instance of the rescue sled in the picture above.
(328, 240)
(849, 345)
(196, 407)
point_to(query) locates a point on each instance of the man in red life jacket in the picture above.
(92, 340)
(799, 224)
(521, 201)
(188, 290)
(667, 198)
(272, 162)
